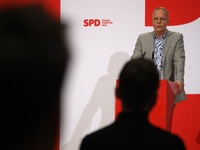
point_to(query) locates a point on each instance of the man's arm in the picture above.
(179, 62)
(138, 49)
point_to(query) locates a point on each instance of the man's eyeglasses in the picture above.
(159, 20)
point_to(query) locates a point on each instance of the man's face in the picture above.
(159, 21)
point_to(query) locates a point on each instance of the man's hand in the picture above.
(180, 85)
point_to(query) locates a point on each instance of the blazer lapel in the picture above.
(166, 45)
(151, 44)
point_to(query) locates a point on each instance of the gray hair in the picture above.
(161, 8)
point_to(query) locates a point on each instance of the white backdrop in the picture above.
(99, 52)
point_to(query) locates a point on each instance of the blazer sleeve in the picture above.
(137, 52)
(179, 59)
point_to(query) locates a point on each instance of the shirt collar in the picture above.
(163, 36)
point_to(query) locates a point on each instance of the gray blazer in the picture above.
(173, 56)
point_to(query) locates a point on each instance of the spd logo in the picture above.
(91, 22)
(96, 22)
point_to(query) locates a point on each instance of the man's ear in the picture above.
(117, 93)
(167, 22)
(153, 99)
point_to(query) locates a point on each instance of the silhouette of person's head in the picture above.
(33, 60)
(138, 84)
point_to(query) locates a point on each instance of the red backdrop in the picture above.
(180, 11)
(52, 5)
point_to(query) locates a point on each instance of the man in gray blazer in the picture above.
(165, 48)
